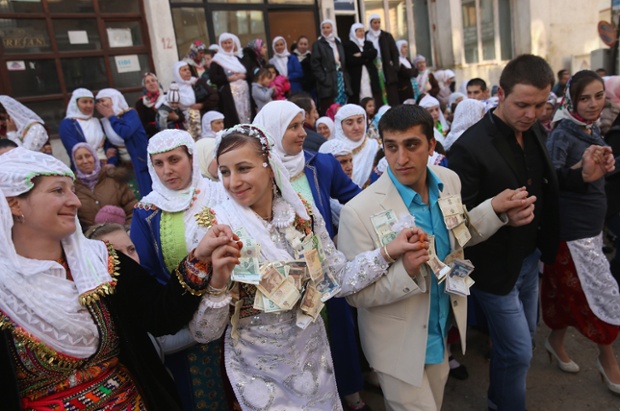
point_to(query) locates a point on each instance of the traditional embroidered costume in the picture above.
(74, 332)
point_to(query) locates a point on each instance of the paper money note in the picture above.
(383, 224)
(311, 303)
(461, 232)
(313, 263)
(451, 205)
(328, 287)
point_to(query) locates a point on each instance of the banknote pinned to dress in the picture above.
(248, 269)
(383, 224)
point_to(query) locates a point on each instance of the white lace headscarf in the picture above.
(186, 89)
(281, 175)
(329, 123)
(275, 117)
(373, 35)
(36, 294)
(91, 127)
(228, 59)
(354, 39)
(335, 148)
(208, 117)
(162, 197)
(119, 106)
(280, 60)
(30, 132)
(467, 113)
(364, 150)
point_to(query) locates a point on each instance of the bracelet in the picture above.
(219, 291)
(388, 257)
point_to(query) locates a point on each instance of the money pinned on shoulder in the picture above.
(451, 205)
(383, 223)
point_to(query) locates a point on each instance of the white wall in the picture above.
(162, 37)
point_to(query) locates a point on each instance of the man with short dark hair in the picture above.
(506, 149)
(313, 139)
(477, 89)
(408, 308)
(558, 89)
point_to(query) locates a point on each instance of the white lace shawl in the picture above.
(36, 294)
(467, 113)
(30, 132)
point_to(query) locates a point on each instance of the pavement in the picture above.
(548, 388)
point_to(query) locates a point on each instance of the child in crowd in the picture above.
(170, 114)
(280, 83)
(262, 90)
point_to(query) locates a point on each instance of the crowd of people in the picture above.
(279, 233)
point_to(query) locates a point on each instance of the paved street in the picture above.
(548, 388)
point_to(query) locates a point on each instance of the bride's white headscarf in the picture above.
(275, 117)
(36, 294)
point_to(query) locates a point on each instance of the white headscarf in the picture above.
(275, 117)
(91, 127)
(331, 39)
(455, 96)
(186, 89)
(119, 106)
(354, 39)
(335, 147)
(364, 150)
(422, 79)
(36, 294)
(162, 197)
(329, 123)
(208, 117)
(237, 43)
(467, 113)
(403, 57)
(281, 175)
(429, 101)
(228, 59)
(280, 60)
(30, 132)
(206, 154)
(373, 35)
(73, 111)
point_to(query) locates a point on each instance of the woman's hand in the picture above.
(409, 239)
(110, 152)
(218, 235)
(223, 260)
(104, 110)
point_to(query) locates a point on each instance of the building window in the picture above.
(205, 20)
(46, 52)
(486, 30)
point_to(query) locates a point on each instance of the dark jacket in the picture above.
(206, 93)
(486, 166)
(313, 140)
(405, 89)
(227, 103)
(252, 63)
(139, 305)
(325, 70)
(308, 81)
(354, 67)
(327, 180)
(147, 116)
(389, 56)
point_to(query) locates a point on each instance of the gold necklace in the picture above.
(298, 175)
(358, 149)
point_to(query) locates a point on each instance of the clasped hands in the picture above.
(221, 249)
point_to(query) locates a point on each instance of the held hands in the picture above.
(110, 152)
(410, 244)
(220, 248)
(596, 162)
(516, 204)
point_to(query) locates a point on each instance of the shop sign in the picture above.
(23, 39)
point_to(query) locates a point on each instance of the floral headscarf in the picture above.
(152, 99)
(195, 48)
(88, 179)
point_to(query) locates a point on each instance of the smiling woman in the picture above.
(62, 333)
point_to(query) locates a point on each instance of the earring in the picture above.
(20, 219)
(265, 164)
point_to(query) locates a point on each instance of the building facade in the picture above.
(51, 47)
